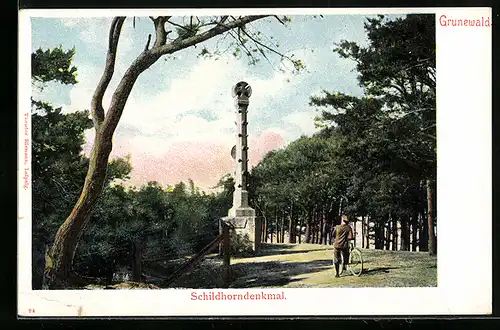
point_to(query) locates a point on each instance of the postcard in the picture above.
(254, 162)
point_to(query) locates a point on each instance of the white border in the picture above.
(464, 196)
(221, 11)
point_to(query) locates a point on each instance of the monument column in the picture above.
(241, 94)
(241, 215)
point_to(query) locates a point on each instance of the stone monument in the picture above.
(241, 216)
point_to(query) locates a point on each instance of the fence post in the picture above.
(136, 264)
(226, 254)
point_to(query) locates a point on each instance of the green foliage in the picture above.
(58, 172)
(170, 224)
(188, 30)
(53, 65)
(388, 135)
(395, 122)
(119, 169)
(240, 246)
(243, 41)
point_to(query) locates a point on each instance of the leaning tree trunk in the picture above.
(66, 239)
(58, 271)
(58, 266)
(430, 219)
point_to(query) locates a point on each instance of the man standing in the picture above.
(342, 234)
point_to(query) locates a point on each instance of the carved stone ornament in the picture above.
(242, 89)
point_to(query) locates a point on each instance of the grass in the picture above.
(300, 266)
(310, 266)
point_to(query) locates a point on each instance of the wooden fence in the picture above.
(222, 241)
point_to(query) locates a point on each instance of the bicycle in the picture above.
(355, 264)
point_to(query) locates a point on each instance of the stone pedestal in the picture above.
(248, 228)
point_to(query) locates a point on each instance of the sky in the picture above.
(178, 123)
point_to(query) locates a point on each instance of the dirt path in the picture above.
(310, 265)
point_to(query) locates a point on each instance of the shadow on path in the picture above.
(275, 249)
(274, 273)
(378, 270)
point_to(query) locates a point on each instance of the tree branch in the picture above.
(267, 47)
(219, 29)
(147, 43)
(178, 25)
(161, 33)
(223, 19)
(279, 19)
(412, 112)
(240, 41)
(398, 88)
(96, 103)
(248, 51)
(146, 59)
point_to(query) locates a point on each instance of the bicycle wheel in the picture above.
(356, 262)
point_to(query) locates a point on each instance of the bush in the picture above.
(240, 245)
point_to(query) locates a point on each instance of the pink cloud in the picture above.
(204, 162)
(261, 145)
